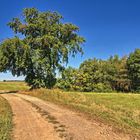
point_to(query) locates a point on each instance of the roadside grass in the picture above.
(121, 111)
(13, 86)
(5, 120)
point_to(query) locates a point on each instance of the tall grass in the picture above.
(5, 120)
(122, 111)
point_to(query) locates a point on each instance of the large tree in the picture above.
(42, 45)
(133, 65)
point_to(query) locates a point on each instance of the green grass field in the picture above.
(13, 86)
(122, 111)
(5, 120)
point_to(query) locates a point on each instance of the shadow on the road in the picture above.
(8, 92)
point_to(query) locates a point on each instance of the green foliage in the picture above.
(133, 64)
(68, 79)
(95, 73)
(98, 76)
(120, 80)
(44, 47)
(101, 87)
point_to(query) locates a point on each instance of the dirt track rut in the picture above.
(35, 119)
(28, 124)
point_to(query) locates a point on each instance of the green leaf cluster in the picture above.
(133, 65)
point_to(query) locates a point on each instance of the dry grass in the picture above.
(5, 120)
(122, 111)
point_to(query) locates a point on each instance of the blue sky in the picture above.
(109, 26)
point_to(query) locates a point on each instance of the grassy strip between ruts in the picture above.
(5, 120)
(122, 111)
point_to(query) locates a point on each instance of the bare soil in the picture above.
(36, 119)
(28, 123)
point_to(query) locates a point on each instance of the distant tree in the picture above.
(98, 76)
(133, 65)
(93, 76)
(42, 45)
(119, 74)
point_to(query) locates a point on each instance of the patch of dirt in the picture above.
(66, 123)
(28, 123)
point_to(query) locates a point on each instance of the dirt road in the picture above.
(35, 119)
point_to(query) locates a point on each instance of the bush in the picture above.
(100, 87)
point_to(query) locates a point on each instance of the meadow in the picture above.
(13, 86)
(119, 110)
(5, 120)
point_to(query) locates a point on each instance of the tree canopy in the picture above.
(98, 76)
(133, 65)
(42, 45)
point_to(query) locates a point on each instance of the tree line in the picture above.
(114, 74)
